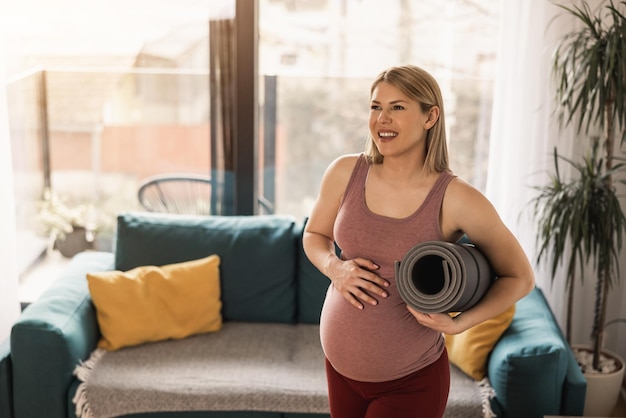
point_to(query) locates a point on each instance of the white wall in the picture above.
(584, 295)
(523, 135)
(9, 304)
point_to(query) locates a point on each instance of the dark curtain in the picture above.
(222, 85)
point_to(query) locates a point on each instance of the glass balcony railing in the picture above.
(93, 137)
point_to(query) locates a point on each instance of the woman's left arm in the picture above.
(466, 210)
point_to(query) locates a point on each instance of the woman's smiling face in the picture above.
(396, 122)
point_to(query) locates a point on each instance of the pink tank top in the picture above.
(383, 342)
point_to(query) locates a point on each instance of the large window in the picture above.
(325, 55)
(94, 110)
(101, 96)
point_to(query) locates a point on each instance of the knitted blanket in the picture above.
(243, 367)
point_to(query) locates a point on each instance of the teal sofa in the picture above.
(265, 278)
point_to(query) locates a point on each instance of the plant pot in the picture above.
(74, 242)
(603, 389)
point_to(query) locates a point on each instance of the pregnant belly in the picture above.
(377, 343)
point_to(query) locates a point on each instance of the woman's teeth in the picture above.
(387, 134)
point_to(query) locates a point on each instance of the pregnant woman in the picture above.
(384, 359)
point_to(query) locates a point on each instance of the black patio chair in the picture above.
(188, 194)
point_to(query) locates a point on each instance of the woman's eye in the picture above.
(394, 107)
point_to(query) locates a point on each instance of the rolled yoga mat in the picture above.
(439, 276)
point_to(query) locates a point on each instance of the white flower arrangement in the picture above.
(56, 218)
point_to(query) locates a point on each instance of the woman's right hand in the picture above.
(356, 281)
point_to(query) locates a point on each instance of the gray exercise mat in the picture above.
(439, 276)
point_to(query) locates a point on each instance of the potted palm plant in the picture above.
(580, 220)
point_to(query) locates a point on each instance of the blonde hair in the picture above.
(420, 86)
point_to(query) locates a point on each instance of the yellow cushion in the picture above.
(152, 303)
(469, 350)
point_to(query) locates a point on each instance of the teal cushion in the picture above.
(258, 257)
(312, 286)
(527, 366)
(6, 384)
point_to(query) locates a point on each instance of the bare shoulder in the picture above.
(460, 192)
(465, 209)
(339, 171)
(343, 166)
(337, 176)
(331, 193)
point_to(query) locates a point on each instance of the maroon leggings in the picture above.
(422, 394)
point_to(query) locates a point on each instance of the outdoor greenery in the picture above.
(580, 220)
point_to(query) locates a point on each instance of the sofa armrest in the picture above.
(529, 365)
(51, 336)
(6, 377)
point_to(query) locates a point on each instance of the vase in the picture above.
(603, 389)
(74, 242)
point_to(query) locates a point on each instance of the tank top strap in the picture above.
(356, 184)
(355, 189)
(434, 200)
